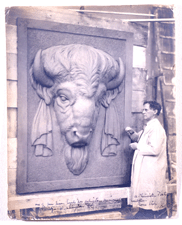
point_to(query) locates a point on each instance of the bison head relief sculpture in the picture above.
(73, 81)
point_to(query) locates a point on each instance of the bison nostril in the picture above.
(81, 134)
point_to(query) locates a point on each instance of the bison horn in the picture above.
(39, 73)
(117, 80)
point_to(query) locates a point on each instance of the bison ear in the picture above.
(45, 93)
(110, 95)
(39, 73)
(114, 83)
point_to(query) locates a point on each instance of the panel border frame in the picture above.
(22, 186)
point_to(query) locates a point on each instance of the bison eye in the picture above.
(63, 98)
(63, 101)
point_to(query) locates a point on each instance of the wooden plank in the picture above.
(11, 39)
(169, 74)
(115, 215)
(167, 60)
(172, 125)
(111, 12)
(11, 190)
(173, 171)
(11, 66)
(42, 13)
(170, 108)
(18, 214)
(168, 44)
(172, 157)
(12, 94)
(71, 200)
(12, 152)
(80, 207)
(12, 123)
(33, 214)
(11, 183)
(167, 29)
(172, 143)
(67, 16)
(140, 32)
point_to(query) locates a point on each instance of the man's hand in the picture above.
(132, 134)
(129, 130)
(133, 145)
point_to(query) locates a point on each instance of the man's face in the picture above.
(148, 113)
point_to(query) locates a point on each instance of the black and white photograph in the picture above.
(91, 113)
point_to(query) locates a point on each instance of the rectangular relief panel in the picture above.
(74, 101)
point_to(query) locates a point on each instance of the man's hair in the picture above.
(154, 105)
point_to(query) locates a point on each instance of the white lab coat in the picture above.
(148, 179)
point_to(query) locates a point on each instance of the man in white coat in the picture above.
(148, 178)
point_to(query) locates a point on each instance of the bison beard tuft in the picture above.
(76, 158)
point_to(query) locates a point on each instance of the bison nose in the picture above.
(81, 134)
(78, 137)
